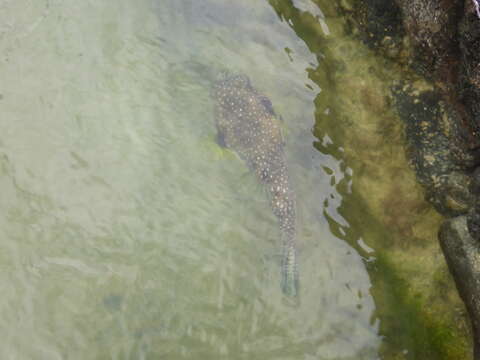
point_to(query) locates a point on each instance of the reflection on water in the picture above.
(127, 232)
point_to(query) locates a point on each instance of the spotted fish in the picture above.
(246, 123)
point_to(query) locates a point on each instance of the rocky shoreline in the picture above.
(439, 43)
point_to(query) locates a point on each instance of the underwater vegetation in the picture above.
(420, 313)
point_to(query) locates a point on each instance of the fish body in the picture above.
(247, 124)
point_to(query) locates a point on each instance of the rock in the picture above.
(462, 253)
(435, 149)
(469, 82)
(473, 216)
(431, 28)
(455, 193)
(473, 220)
(381, 25)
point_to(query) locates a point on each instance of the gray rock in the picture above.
(462, 253)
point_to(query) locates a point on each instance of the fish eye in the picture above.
(241, 80)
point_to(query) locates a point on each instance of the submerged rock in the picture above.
(462, 253)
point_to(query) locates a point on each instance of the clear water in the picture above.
(126, 232)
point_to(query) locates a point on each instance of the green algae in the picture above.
(420, 313)
(415, 320)
(425, 333)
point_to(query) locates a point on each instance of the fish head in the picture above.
(232, 82)
(240, 81)
(234, 94)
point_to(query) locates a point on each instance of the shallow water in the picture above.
(127, 232)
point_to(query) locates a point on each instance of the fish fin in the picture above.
(247, 184)
(267, 104)
(275, 258)
(220, 139)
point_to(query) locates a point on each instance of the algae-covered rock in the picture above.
(439, 103)
(380, 23)
(462, 253)
(409, 271)
(457, 197)
(473, 216)
(435, 150)
(420, 313)
(430, 26)
(469, 40)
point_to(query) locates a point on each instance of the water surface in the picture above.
(126, 232)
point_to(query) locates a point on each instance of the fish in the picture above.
(247, 124)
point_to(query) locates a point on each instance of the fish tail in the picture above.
(290, 282)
